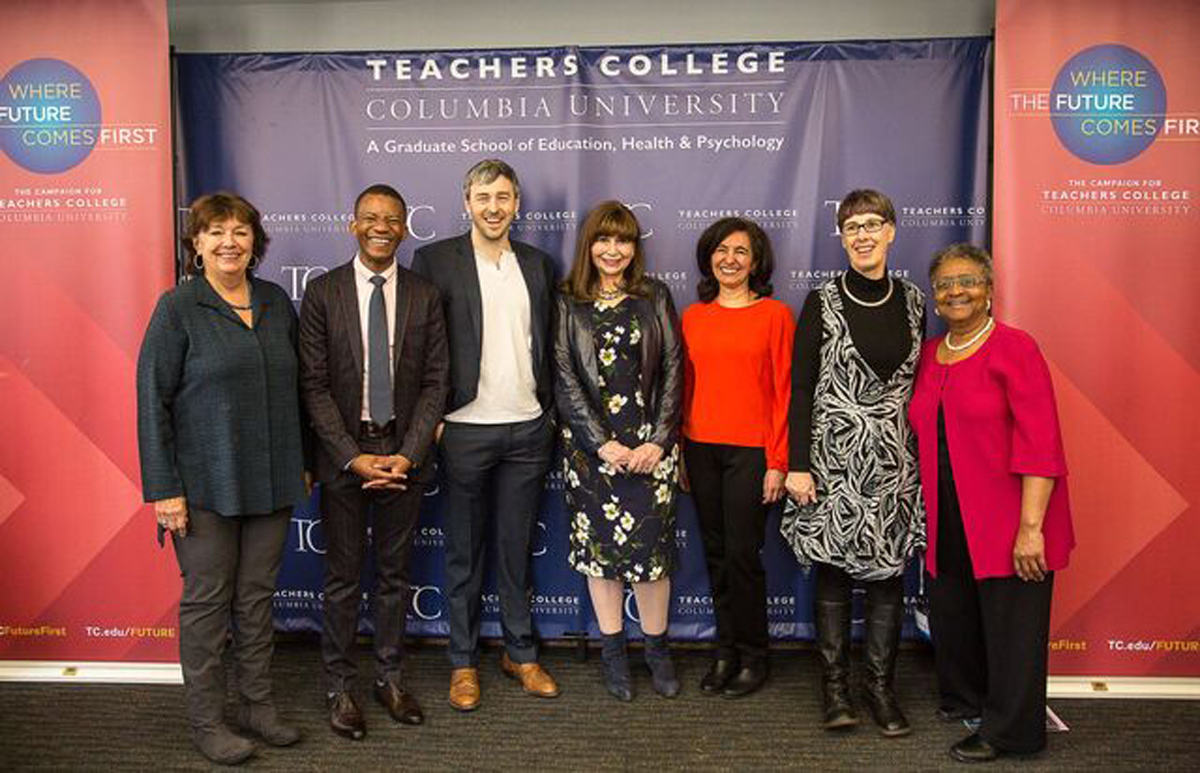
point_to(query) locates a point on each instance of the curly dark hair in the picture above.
(977, 255)
(760, 250)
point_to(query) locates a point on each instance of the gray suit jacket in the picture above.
(450, 264)
(331, 366)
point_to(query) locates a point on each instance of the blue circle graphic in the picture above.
(1107, 104)
(49, 115)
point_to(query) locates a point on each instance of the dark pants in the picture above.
(493, 472)
(727, 488)
(990, 639)
(229, 565)
(346, 512)
(991, 636)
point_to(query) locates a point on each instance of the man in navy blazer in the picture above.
(373, 373)
(497, 439)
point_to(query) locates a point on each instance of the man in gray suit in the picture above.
(373, 373)
(498, 439)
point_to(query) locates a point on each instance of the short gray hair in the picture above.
(486, 171)
(977, 255)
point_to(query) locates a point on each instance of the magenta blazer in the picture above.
(1001, 423)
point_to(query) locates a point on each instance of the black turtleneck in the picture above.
(880, 334)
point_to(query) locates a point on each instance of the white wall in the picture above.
(397, 25)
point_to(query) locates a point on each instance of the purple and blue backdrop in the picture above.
(682, 134)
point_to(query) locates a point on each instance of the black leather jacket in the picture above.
(577, 389)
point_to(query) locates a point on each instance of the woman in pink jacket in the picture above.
(993, 475)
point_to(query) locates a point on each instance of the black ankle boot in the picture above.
(883, 644)
(662, 668)
(615, 661)
(832, 619)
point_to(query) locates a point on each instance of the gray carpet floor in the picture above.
(129, 727)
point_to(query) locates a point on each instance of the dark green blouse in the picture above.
(218, 402)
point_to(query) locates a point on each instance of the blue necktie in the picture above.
(379, 370)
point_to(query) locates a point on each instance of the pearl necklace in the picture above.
(869, 304)
(983, 330)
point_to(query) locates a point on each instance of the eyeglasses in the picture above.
(870, 226)
(965, 282)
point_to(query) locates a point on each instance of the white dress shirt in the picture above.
(364, 288)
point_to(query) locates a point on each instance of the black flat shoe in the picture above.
(752, 676)
(974, 749)
(718, 676)
(946, 714)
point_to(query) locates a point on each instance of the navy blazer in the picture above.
(218, 402)
(450, 264)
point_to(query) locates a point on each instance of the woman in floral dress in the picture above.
(619, 367)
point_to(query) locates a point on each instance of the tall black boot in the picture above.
(883, 644)
(615, 661)
(662, 668)
(832, 619)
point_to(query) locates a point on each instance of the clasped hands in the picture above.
(641, 460)
(382, 472)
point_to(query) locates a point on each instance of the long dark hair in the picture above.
(608, 218)
(763, 258)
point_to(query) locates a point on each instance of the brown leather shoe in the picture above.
(533, 677)
(344, 716)
(401, 705)
(464, 689)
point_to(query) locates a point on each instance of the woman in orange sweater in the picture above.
(737, 377)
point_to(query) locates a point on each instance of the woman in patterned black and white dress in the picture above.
(855, 509)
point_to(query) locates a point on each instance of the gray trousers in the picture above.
(229, 565)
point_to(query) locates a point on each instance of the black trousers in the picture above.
(494, 477)
(727, 488)
(229, 565)
(346, 512)
(834, 584)
(990, 636)
(990, 640)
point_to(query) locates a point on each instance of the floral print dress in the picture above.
(622, 524)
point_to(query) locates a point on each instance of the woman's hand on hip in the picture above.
(801, 487)
(1029, 554)
(643, 459)
(772, 486)
(172, 515)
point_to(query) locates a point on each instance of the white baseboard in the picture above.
(89, 671)
(1180, 688)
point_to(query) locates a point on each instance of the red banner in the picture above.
(85, 203)
(1097, 186)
